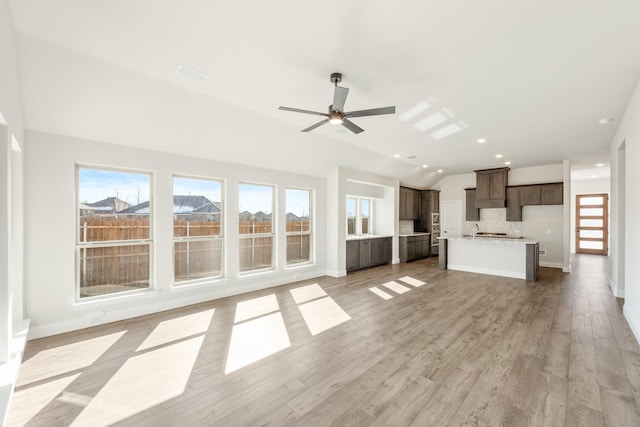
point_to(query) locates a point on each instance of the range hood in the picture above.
(491, 187)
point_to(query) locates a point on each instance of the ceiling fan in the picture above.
(336, 114)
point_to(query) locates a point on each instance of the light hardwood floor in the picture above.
(462, 349)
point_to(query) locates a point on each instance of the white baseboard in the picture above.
(178, 298)
(551, 264)
(630, 323)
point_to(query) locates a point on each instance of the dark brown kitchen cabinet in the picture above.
(551, 194)
(514, 207)
(491, 187)
(434, 201)
(364, 253)
(472, 212)
(353, 255)
(529, 195)
(410, 204)
(414, 247)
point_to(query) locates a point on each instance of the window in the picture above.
(364, 215)
(255, 226)
(197, 229)
(298, 226)
(359, 216)
(351, 215)
(114, 236)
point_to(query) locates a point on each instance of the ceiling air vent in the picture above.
(412, 156)
(191, 73)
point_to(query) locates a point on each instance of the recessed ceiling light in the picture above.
(482, 140)
(599, 165)
(397, 156)
(605, 120)
(498, 156)
(507, 163)
(425, 166)
(594, 176)
(440, 171)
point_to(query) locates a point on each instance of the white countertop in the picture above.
(415, 234)
(498, 240)
(366, 236)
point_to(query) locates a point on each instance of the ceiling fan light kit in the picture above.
(336, 114)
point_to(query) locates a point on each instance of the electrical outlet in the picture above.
(542, 252)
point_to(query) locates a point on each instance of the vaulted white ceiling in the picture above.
(533, 78)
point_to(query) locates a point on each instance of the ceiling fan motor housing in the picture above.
(336, 78)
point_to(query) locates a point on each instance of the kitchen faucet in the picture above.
(475, 230)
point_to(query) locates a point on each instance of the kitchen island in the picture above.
(499, 256)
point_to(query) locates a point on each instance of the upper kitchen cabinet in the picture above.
(410, 204)
(529, 195)
(472, 212)
(434, 197)
(491, 188)
(551, 194)
(514, 207)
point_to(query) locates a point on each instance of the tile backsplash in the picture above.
(494, 221)
(406, 227)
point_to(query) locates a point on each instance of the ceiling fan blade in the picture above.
(339, 98)
(352, 126)
(297, 110)
(371, 112)
(312, 127)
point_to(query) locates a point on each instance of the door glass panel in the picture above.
(591, 223)
(590, 245)
(591, 211)
(591, 200)
(596, 234)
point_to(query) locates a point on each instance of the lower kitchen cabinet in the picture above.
(364, 253)
(414, 247)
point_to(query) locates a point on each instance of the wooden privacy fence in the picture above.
(127, 266)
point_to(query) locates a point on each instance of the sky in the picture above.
(98, 184)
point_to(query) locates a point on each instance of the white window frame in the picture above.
(179, 284)
(358, 227)
(272, 235)
(309, 233)
(80, 246)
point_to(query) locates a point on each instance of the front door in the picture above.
(592, 217)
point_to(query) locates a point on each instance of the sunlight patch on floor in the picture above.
(411, 281)
(322, 314)
(179, 328)
(29, 401)
(143, 381)
(307, 293)
(256, 339)
(65, 358)
(382, 294)
(256, 307)
(396, 287)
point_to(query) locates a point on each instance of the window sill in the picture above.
(185, 286)
(107, 300)
(300, 265)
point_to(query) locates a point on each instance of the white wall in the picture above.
(342, 182)
(586, 186)
(50, 222)
(544, 223)
(625, 246)
(11, 173)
